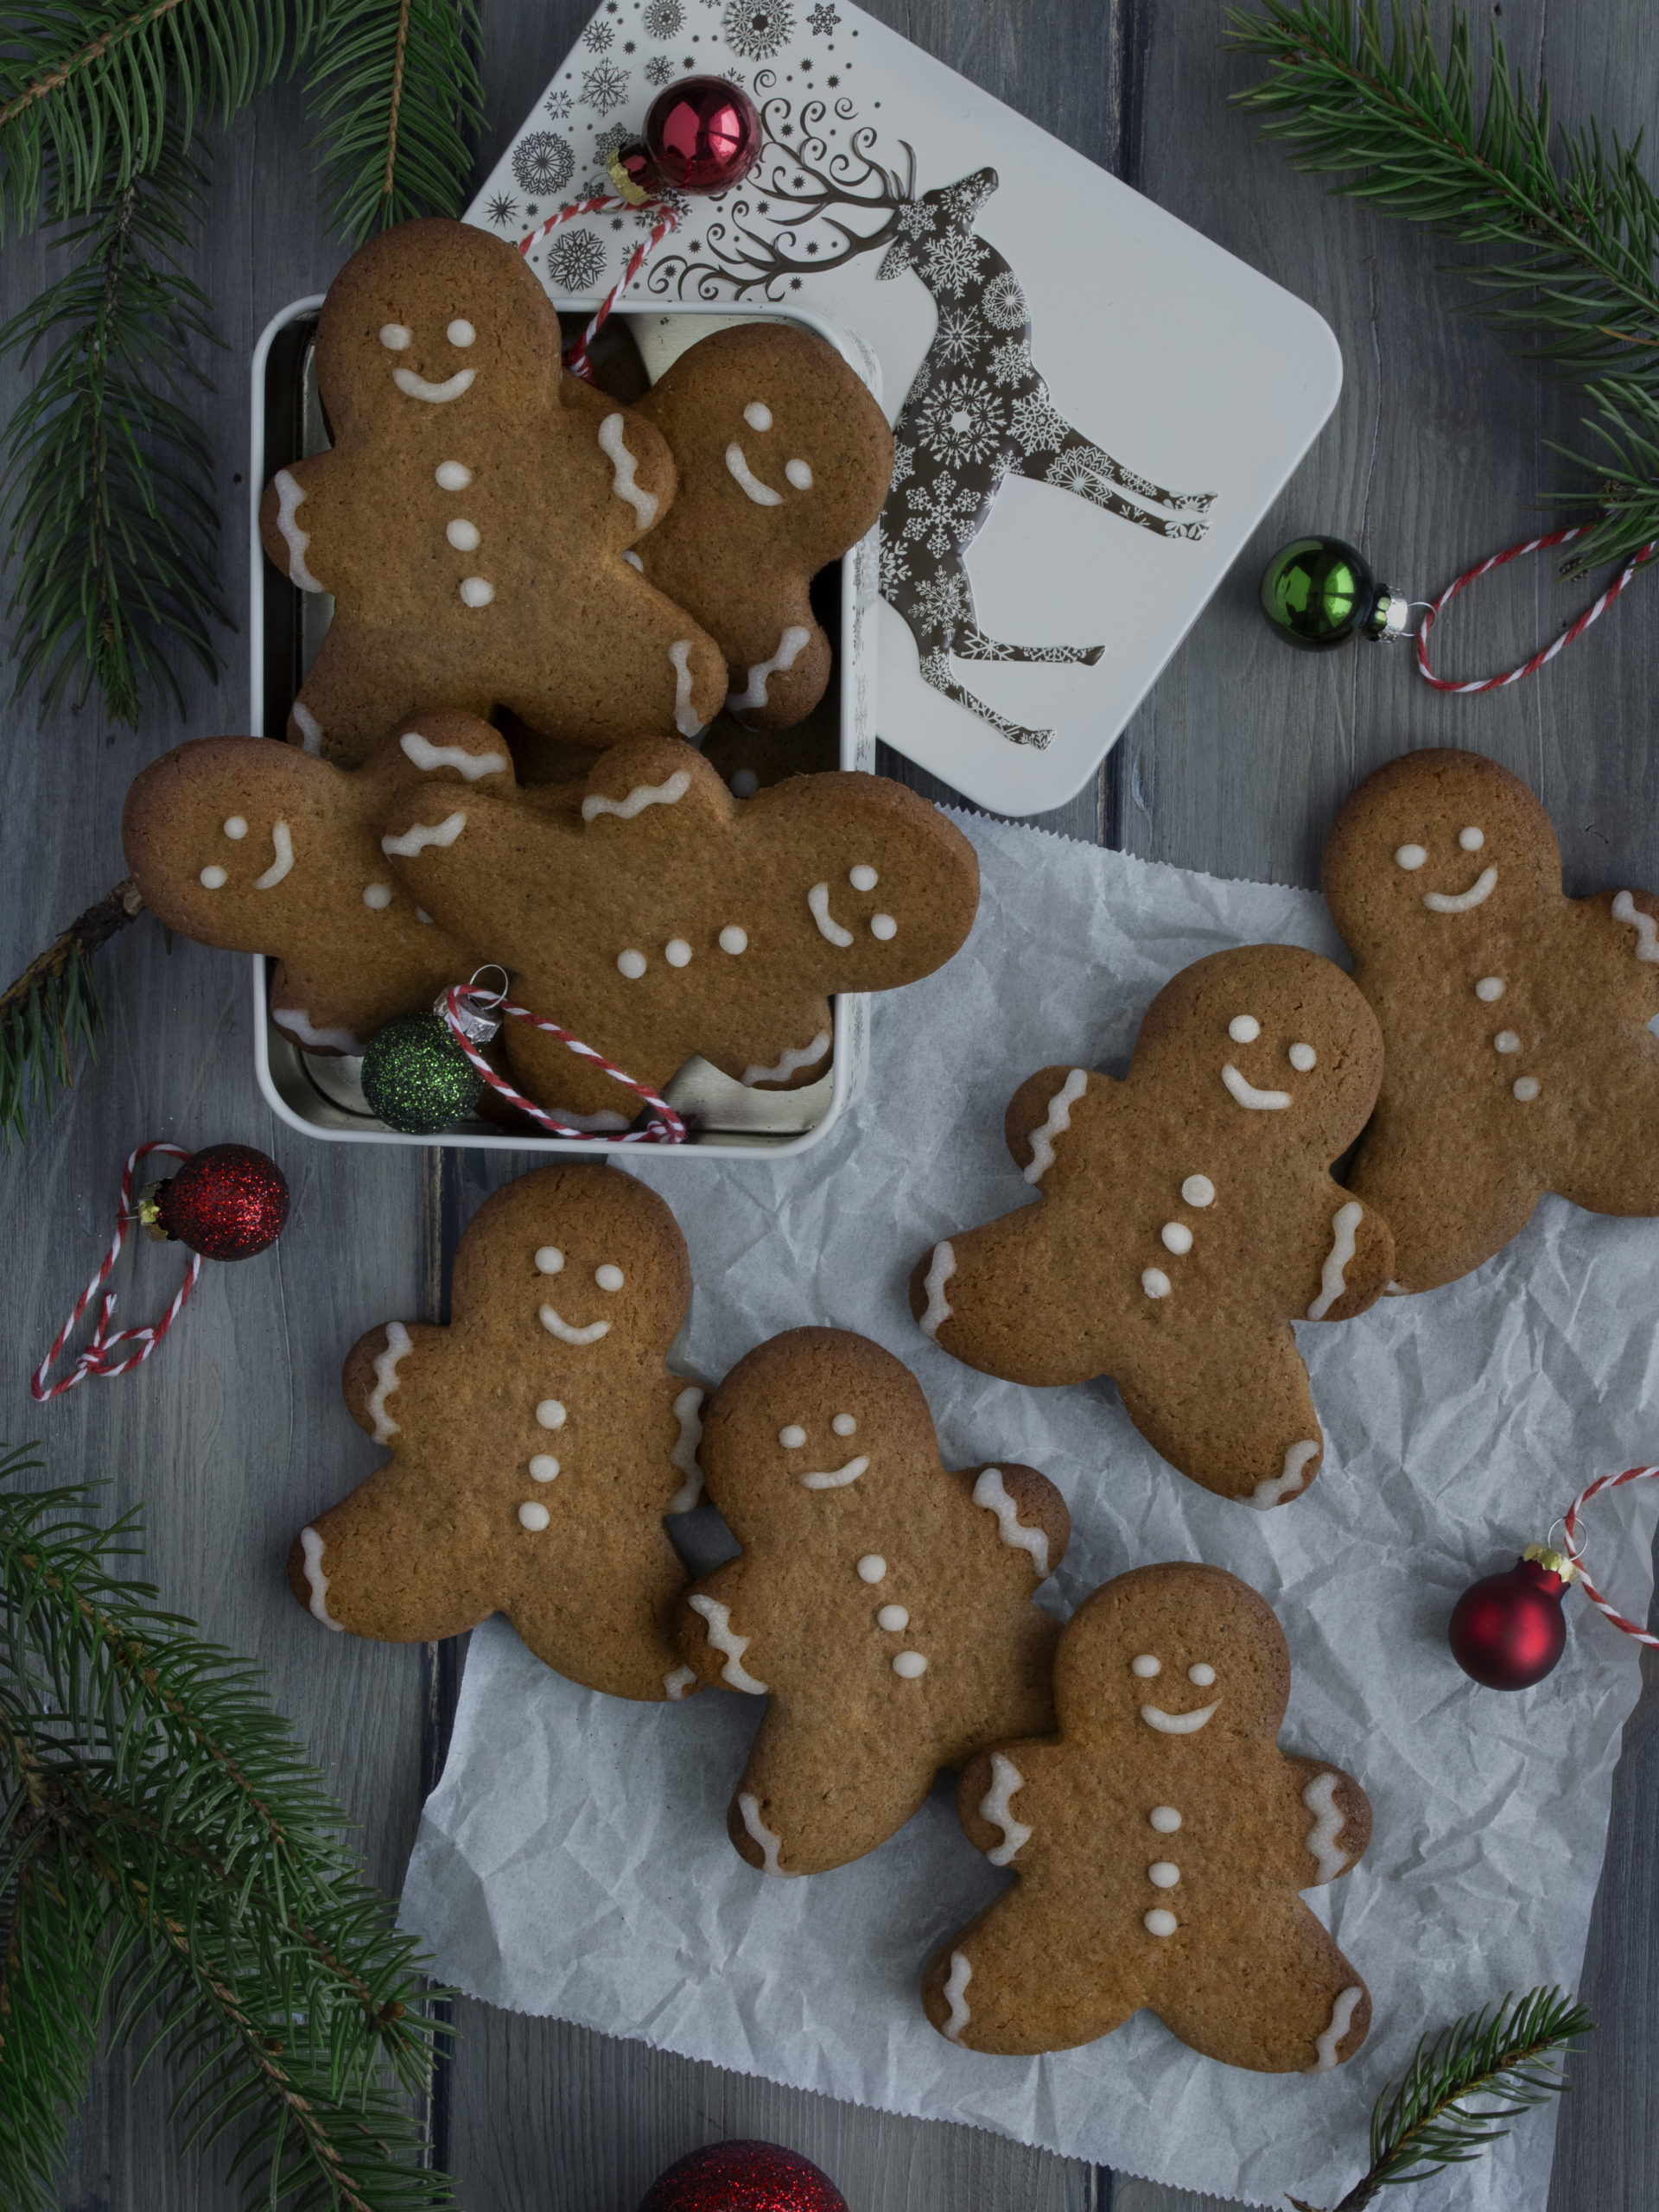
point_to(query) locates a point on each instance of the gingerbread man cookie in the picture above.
(1159, 1845)
(1185, 1218)
(254, 846)
(536, 1443)
(1519, 1055)
(472, 517)
(784, 459)
(658, 917)
(883, 1602)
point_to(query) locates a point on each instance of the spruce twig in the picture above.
(111, 521)
(54, 1007)
(169, 1863)
(1579, 229)
(397, 94)
(1462, 2084)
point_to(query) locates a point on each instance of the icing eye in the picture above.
(791, 1438)
(1302, 1057)
(862, 878)
(1146, 1665)
(213, 879)
(631, 964)
(733, 939)
(798, 474)
(461, 332)
(677, 952)
(550, 1259)
(452, 475)
(758, 415)
(872, 1567)
(534, 1517)
(1198, 1191)
(395, 338)
(883, 926)
(1410, 857)
(843, 1424)
(1202, 1674)
(235, 827)
(1243, 1029)
(1471, 839)
(608, 1277)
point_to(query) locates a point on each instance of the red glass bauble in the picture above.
(702, 134)
(227, 1203)
(1508, 1631)
(744, 2178)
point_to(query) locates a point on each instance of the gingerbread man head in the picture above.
(659, 917)
(1186, 1218)
(1159, 1845)
(471, 519)
(883, 1602)
(536, 1443)
(1515, 1019)
(254, 846)
(783, 458)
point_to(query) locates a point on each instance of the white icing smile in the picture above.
(1248, 1095)
(434, 394)
(1463, 902)
(568, 1335)
(283, 845)
(818, 900)
(838, 1478)
(762, 494)
(1178, 1724)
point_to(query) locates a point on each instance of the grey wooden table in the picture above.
(1437, 454)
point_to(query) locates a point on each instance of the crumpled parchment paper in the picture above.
(573, 1860)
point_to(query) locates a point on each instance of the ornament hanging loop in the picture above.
(1575, 1546)
(1592, 613)
(97, 1358)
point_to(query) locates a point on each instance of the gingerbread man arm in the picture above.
(1001, 1797)
(1358, 1263)
(1327, 1820)
(305, 513)
(1039, 1116)
(717, 1647)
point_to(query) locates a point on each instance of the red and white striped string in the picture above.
(1574, 1549)
(665, 1126)
(1592, 613)
(97, 1359)
(603, 203)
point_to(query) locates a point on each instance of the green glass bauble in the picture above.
(1318, 591)
(416, 1078)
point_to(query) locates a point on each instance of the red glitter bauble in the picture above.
(702, 134)
(227, 1203)
(1507, 1629)
(744, 2178)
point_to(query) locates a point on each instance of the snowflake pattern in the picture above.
(915, 219)
(598, 36)
(1004, 302)
(1011, 362)
(542, 162)
(661, 18)
(758, 29)
(608, 141)
(954, 262)
(605, 87)
(575, 261)
(962, 421)
(501, 210)
(942, 600)
(822, 21)
(941, 515)
(558, 106)
(659, 71)
(1038, 423)
(904, 463)
(960, 335)
(894, 562)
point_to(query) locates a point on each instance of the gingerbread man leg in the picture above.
(1016, 1982)
(1235, 1415)
(359, 688)
(789, 1811)
(1272, 1993)
(342, 1570)
(1450, 1200)
(602, 1611)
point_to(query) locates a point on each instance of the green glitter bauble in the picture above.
(416, 1078)
(1320, 590)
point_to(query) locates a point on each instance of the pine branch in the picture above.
(111, 521)
(396, 91)
(1485, 2068)
(91, 94)
(54, 1007)
(174, 1866)
(1578, 234)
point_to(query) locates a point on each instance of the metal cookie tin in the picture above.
(319, 1095)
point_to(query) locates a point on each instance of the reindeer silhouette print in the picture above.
(978, 411)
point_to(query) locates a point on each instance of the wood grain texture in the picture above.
(1437, 454)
